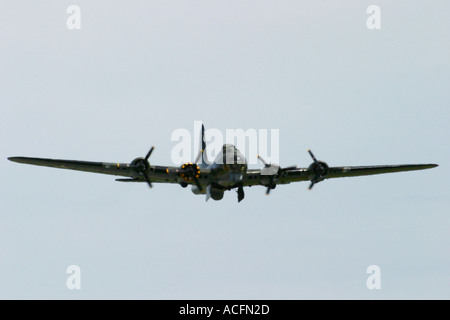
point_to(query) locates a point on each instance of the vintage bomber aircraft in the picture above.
(228, 171)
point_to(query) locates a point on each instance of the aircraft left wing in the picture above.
(320, 171)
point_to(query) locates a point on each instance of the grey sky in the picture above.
(138, 70)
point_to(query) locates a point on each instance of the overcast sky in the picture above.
(138, 70)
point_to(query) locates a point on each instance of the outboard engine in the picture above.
(318, 170)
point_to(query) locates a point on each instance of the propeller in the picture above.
(147, 178)
(208, 192)
(318, 168)
(263, 161)
(202, 154)
(271, 185)
(240, 192)
(149, 153)
(191, 171)
(311, 185)
(312, 156)
(141, 165)
(273, 170)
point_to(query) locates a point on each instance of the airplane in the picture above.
(228, 171)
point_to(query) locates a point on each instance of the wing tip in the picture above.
(24, 160)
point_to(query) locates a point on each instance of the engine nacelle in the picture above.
(270, 170)
(140, 165)
(318, 170)
(189, 171)
(137, 161)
